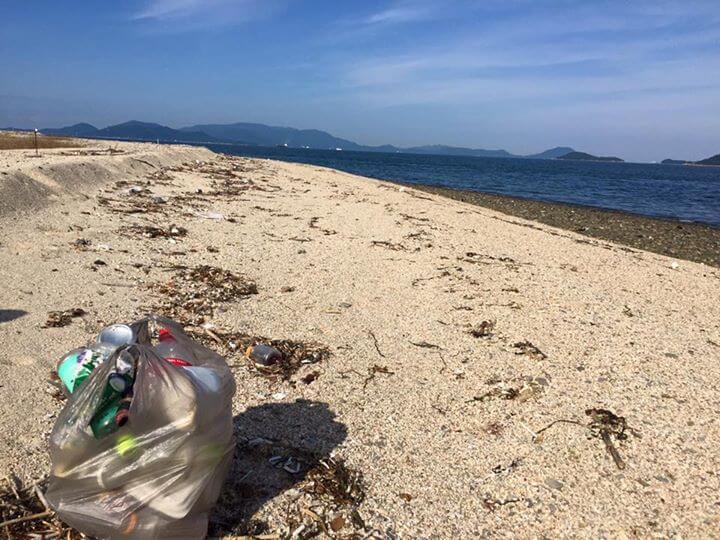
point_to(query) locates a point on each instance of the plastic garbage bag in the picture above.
(144, 443)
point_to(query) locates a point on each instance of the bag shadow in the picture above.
(303, 432)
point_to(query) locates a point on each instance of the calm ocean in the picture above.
(668, 191)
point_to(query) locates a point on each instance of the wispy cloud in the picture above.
(581, 49)
(196, 14)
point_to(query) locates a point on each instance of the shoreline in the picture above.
(691, 241)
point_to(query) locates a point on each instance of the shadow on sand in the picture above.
(7, 315)
(305, 431)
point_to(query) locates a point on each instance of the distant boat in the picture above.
(339, 149)
(283, 145)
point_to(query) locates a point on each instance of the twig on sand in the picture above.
(377, 346)
(373, 370)
(425, 345)
(41, 497)
(41, 515)
(443, 361)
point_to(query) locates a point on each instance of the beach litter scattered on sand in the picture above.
(58, 319)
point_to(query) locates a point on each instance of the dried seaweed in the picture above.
(483, 330)
(194, 293)
(389, 245)
(528, 349)
(57, 319)
(528, 388)
(425, 345)
(151, 231)
(333, 482)
(313, 225)
(605, 425)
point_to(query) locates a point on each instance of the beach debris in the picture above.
(215, 216)
(139, 203)
(313, 225)
(194, 293)
(25, 513)
(286, 289)
(492, 504)
(332, 481)
(528, 349)
(603, 424)
(481, 258)
(528, 388)
(151, 231)
(425, 345)
(606, 425)
(233, 345)
(483, 330)
(264, 355)
(390, 245)
(57, 319)
(374, 370)
(310, 377)
(82, 244)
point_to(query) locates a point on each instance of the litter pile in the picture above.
(144, 442)
(271, 357)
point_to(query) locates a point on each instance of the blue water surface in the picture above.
(681, 192)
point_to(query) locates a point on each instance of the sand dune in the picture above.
(443, 416)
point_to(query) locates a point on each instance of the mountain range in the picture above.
(262, 135)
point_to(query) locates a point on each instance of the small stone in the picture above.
(286, 289)
(554, 483)
(301, 251)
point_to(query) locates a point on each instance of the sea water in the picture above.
(681, 192)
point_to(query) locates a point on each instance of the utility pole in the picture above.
(36, 146)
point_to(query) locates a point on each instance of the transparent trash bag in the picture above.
(158, 473)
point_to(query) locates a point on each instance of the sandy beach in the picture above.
(481, 375)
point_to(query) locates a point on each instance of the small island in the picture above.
(714, 161)
(674, 162)
(582, 156)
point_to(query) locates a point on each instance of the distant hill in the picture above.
(714, 160)
(133, 130)
(263, 135)
(582, 156)
(76, 130)
(553, 153)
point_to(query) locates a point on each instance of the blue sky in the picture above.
(639, 79)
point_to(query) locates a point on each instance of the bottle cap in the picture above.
(117, 382)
